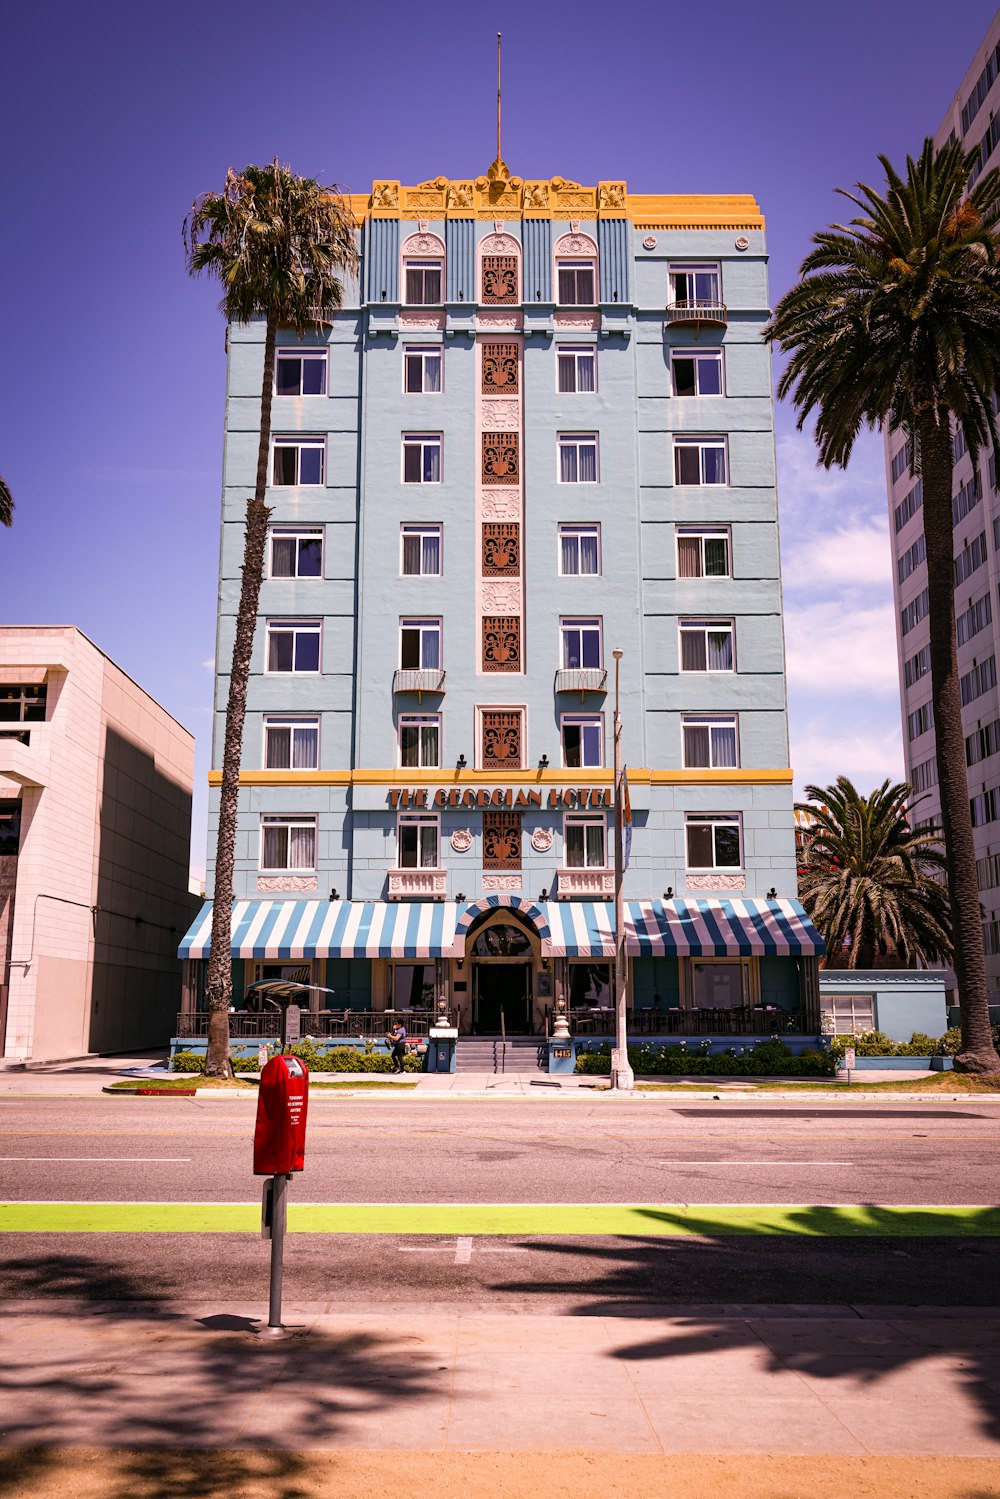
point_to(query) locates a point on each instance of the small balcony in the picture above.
(585, 884)
(428, 679)
(698, 314)
(582, 679)
(405, 884)
(24, 754)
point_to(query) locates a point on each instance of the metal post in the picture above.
(622, 1076)
(279, 1214)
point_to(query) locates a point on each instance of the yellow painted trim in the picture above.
(550, 777)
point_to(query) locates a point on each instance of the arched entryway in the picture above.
(502, 951)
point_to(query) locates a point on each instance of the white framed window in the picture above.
(707, 645)
(581, 643)
(290, 743)
(580, 551)
(585, 841)
(423, 369)
(419, 644)
(696, 284)
(576, 369)
(582, 737)
(696, 372)
(578, 458)
(422, 457)
(575, 283)
(287, 843)
(298, 461)
(423, 280)
(300, 372)
(295, 552)
(293, 645)
(420, 741)
(703, 552)
(700, 460)
(852, 1013)
(713, 840)
(418, 837)
(710, 741)
(420, 551)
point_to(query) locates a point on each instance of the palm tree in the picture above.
(872, 885)
(896, 321)
(278, 243)
(6, 504)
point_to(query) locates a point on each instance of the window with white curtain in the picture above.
(291, 743)
(420, 551)
(577, 458)
(575, 282)
(707, 644)
(423, 283)
(700, 461)
(293, 645)
(713, 840)
(417, 838)
(298, 461)
(287, 843)
(420, 741)
(585, 840)
(296, 551)
(583, 741)
(581, 643)
(580, 551)
(419, 644)
(576, 370)
(710, 741)
(422, 458)
(703, 552)
(422, 366)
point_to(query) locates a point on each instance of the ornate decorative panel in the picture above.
(501, 549)
(501, 739)
(499, 279)
(501, 642)
(501, 840)
(501, 458)
(500, 369)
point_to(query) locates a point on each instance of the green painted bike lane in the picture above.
(645, 1220)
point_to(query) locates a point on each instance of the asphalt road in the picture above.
(601, 1150)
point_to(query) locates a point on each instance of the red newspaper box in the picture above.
(279, 1140)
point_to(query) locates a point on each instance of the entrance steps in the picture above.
(486, 1054)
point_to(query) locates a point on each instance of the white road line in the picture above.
(104, 1160)
(463, 1251)
(742, 1162)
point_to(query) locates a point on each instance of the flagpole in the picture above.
(622, 1076)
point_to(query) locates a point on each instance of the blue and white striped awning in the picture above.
(288, 929)
(292, 929)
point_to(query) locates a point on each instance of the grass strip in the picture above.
(597, 1219)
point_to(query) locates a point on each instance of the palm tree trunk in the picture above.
(219, 987)
(977, 1053)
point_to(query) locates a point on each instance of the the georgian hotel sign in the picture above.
(501, 796)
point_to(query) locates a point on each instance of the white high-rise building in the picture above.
(973, 116)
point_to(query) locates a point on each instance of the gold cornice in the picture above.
(550, 777)
(512, 197)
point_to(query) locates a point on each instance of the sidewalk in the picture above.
(839, 1382)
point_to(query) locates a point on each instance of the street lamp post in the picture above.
(622, 1076)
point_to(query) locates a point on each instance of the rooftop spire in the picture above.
(498, 172)
(499, 152)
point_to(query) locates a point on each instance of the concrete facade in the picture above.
(357, 788)
(99, 778)
(969, 118)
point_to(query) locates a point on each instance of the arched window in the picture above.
(502, 942)
(499, 271)
(423, 270)
(576, 271)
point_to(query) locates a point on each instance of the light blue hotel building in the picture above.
(539, 432)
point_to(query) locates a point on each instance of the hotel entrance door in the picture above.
(501, 987)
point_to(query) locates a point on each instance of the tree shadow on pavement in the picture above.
(730, 1304)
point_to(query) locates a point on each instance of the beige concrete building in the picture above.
(95, 828)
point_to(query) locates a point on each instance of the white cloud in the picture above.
(853, 555)
(840, 648)
(208, 665)
(866, 752)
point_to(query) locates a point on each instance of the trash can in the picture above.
(441, 1048)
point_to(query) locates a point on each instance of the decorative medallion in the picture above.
(505, 416)
(501, 458)
(499, 279)
(541, 840)
(501, 739)
(501, 840)
(649, 243)
(501, 549)
(501, 642)
(500, 597)
(742, 243)
(461, 840)
(501, 504)
(500, 369)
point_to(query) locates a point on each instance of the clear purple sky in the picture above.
(114, 371)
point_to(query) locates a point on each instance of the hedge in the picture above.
(337, 1059)
(766, 1058)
